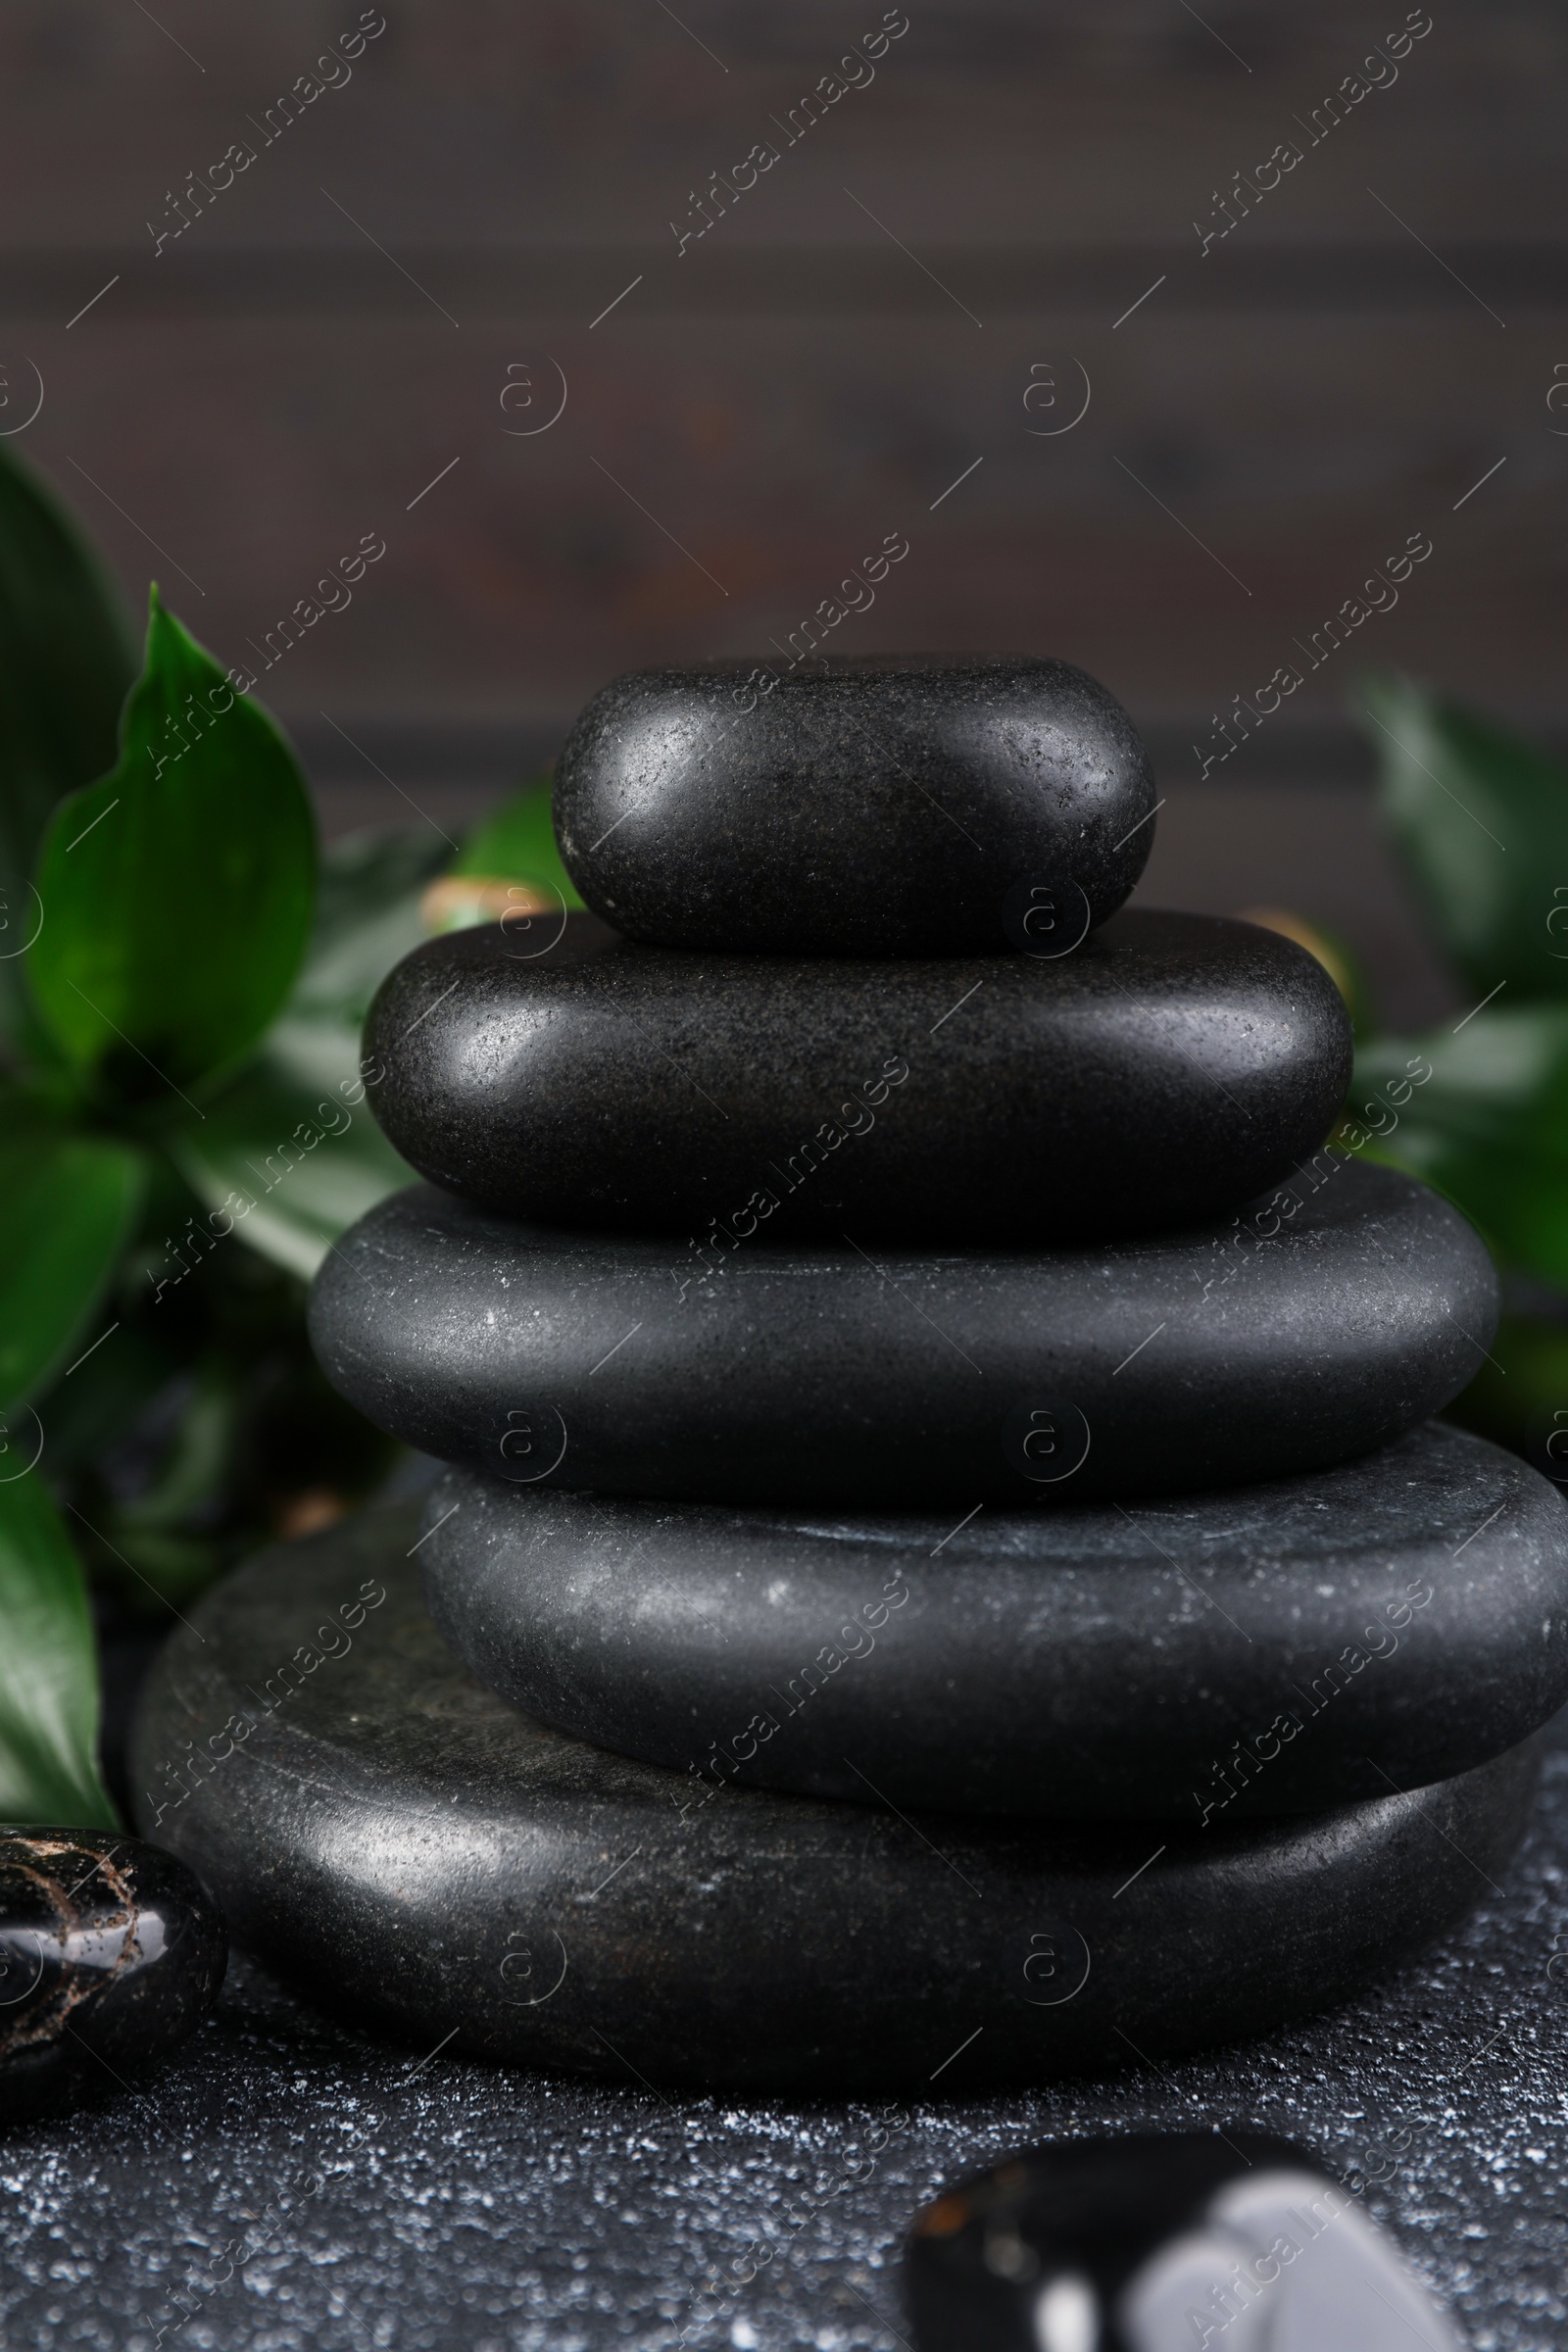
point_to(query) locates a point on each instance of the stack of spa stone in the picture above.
(947, 1572)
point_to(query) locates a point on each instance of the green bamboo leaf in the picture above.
(97, 1405)
(48, 1665)
(66, 668)
(67, 1204)
(178, 892)
(1480, 819)
(288, 1150)
(1489, 1129)
(288, 1156)
(366, 920)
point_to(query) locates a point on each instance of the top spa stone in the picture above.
(909, 804)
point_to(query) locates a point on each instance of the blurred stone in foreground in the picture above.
(1161, 2245)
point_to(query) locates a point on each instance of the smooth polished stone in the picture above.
(432, 1862)
(904, 805)
(416, 2154)
(1146, 2244)
(821, 1372)
(112, 1953)
(1172, 1067)
(1276, 1649)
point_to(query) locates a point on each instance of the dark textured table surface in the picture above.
(286, 2184)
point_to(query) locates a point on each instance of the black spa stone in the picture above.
(1228, 2237)
(1321, 1324)
(432, 1862)
(112, 1953)
(916, 804)
(1174, 1065)
(1276, 1649)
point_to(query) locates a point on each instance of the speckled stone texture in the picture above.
(1321, 1323)
(1173, 1066)
(419, 2201)
(1287, 1647)
(111, 1955)
(431, 1861)
(878, 808)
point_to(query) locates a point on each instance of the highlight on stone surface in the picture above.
(1170, 1068)
(112, 1953)
(426, 1857)
(1319, 1323)
(1270, 1649)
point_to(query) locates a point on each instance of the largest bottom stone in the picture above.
(441, 1867)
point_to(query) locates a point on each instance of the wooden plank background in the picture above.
(338, 328)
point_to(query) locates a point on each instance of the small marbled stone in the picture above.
(1276, 1649)
(1230, 2239)
(112, 1953)
(433, 1863)
(902, 806)
(1174, 1065)
(1317, 1325)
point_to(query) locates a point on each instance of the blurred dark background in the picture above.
(370, 329)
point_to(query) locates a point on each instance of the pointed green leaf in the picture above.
(1481, 821)
(366, 920)
(48, 1665)
(1489, 1129)
(292, 1135)
(289, 1155)
(177, 894)
(66, 1206)
(66, 668)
